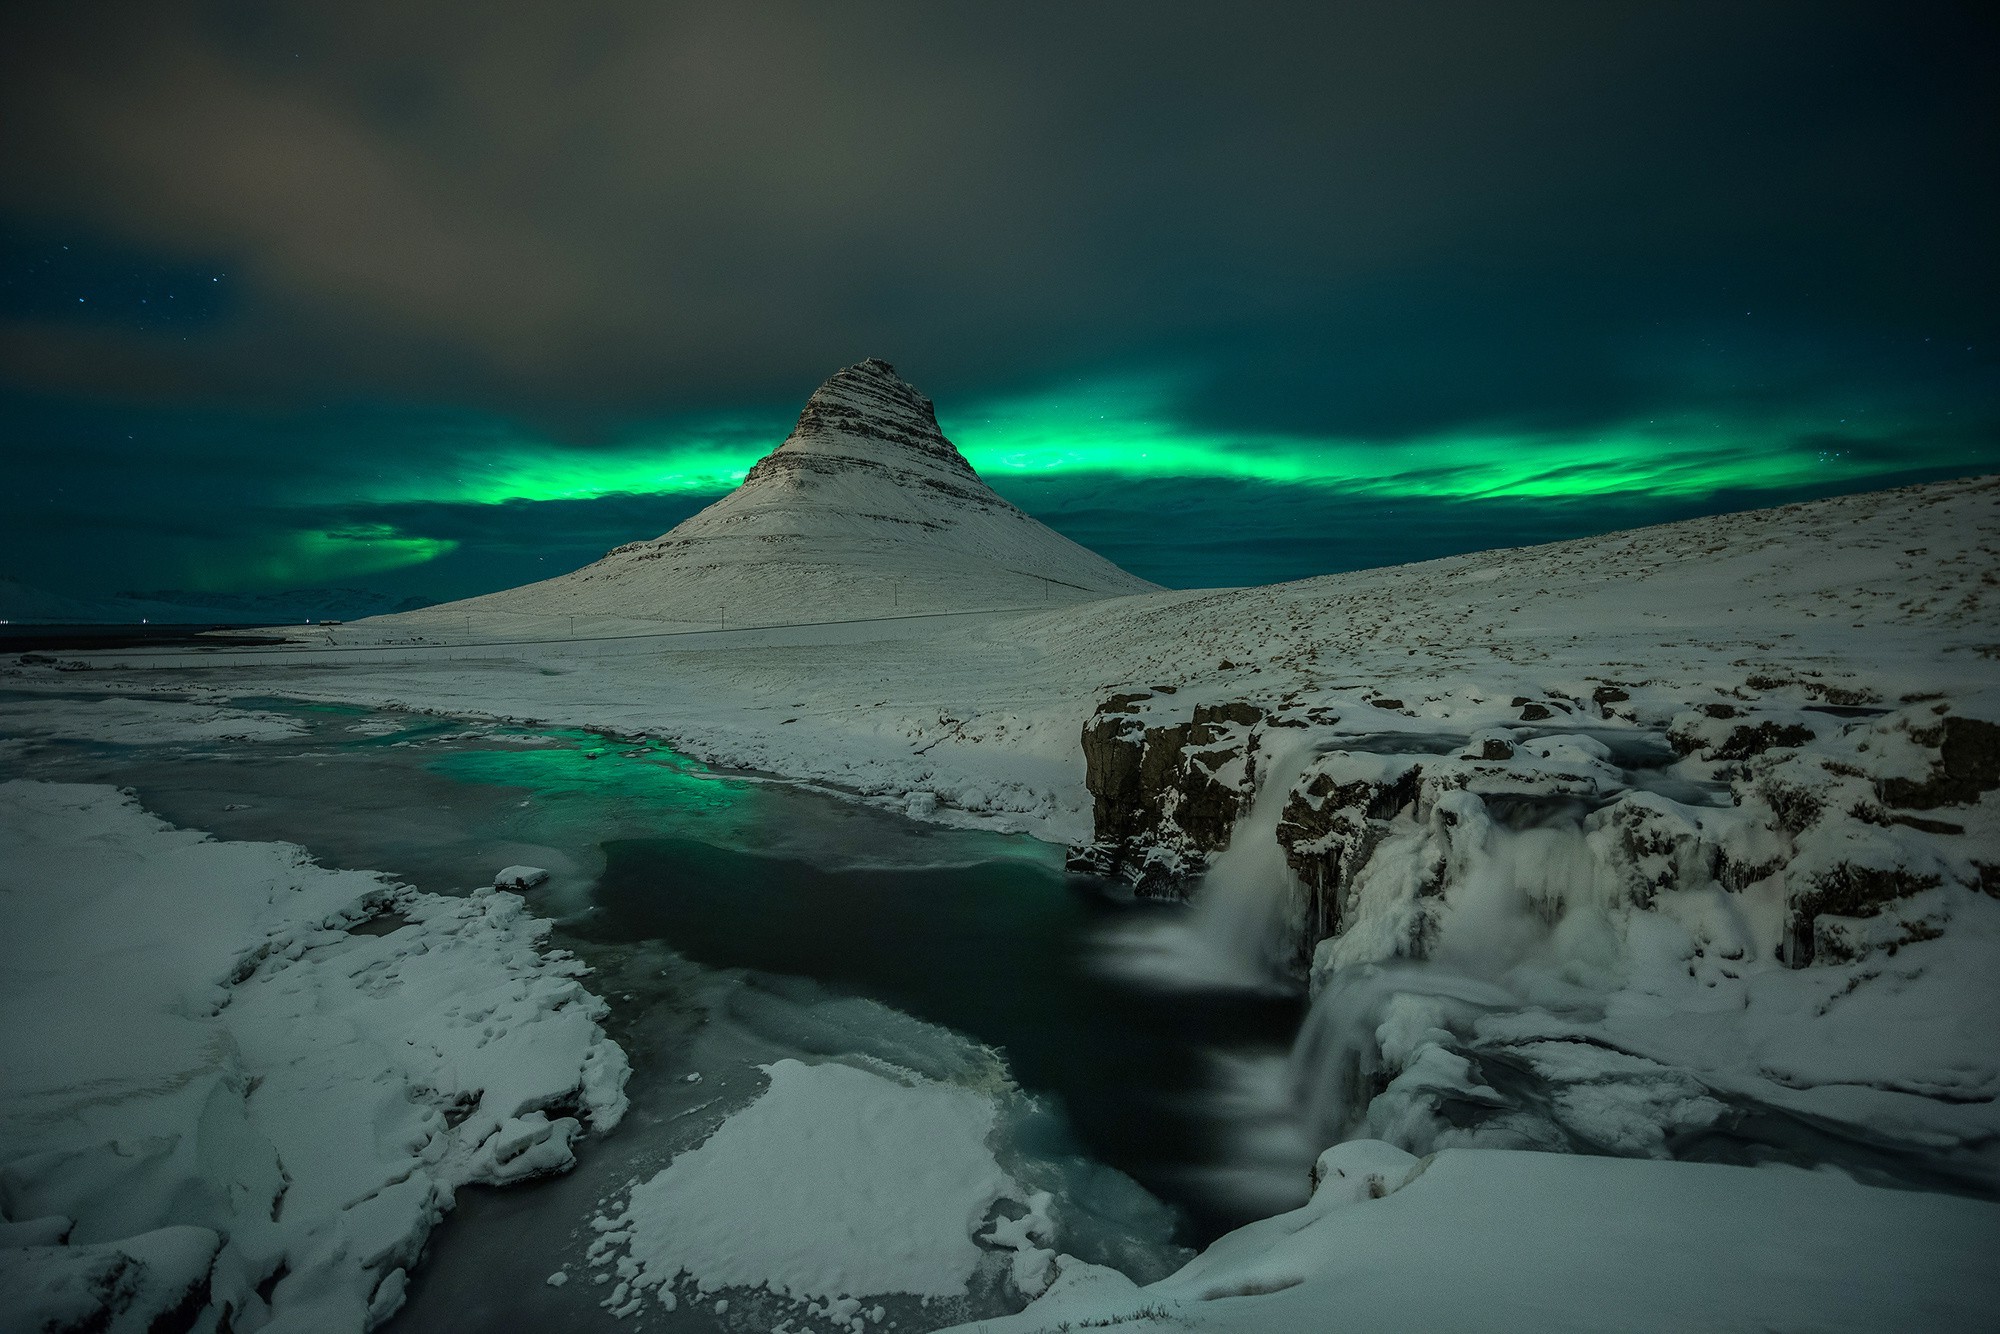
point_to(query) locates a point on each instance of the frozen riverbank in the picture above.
(427, 799)
(243, 1085)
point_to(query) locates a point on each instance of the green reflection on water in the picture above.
(597, 774)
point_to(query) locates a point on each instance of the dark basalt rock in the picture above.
(1329, 831)
(1847, 890)
(1157, 808)
(1744, 742)
(1968, 766)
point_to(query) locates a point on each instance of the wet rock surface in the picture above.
(1165, 794)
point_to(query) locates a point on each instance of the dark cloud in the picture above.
(640, 203)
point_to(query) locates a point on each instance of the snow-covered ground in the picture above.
(240, 1087)
(976, 716)
(137, 722)
(1670, 843)
(1492, 1242)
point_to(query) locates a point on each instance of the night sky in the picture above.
(432, 299)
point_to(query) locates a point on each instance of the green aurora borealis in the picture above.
(1132, 429)
(448, 500)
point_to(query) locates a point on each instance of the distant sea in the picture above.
(16, 638)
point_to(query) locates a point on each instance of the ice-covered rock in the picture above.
(835, 1184)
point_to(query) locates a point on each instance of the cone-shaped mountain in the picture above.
(865, 510)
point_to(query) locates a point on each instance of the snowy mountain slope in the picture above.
(865, 510)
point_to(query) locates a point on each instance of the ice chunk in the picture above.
(836, 1182)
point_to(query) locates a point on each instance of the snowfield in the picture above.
(138, 722)
(241, 1088)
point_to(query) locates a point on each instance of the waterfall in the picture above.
(1339, 1050)
(1239, 933)
(1244, 911)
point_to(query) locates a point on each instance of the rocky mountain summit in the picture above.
(865, 511)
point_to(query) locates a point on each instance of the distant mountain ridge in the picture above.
(865, 510)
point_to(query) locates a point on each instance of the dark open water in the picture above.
(731, 920)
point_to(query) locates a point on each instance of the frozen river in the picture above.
(732, 920)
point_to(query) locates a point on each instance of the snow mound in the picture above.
(1497, 1241)
(835, 1184)
(221, 1097)
(520, 877)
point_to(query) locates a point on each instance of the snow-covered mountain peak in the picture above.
(868, 419)
(869, 401)
(864, 511)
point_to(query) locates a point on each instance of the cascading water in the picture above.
(1244, 911)
(1507, 891)
(1341, 1048)
(1241, 930)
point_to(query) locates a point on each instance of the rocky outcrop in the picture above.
(1166, 791)
(1805, 816)
(1328, 830)
(1968, 766)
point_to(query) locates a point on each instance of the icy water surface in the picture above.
(733, 920)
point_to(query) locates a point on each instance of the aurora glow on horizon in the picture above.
(1229, 305)
(1129, 429)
